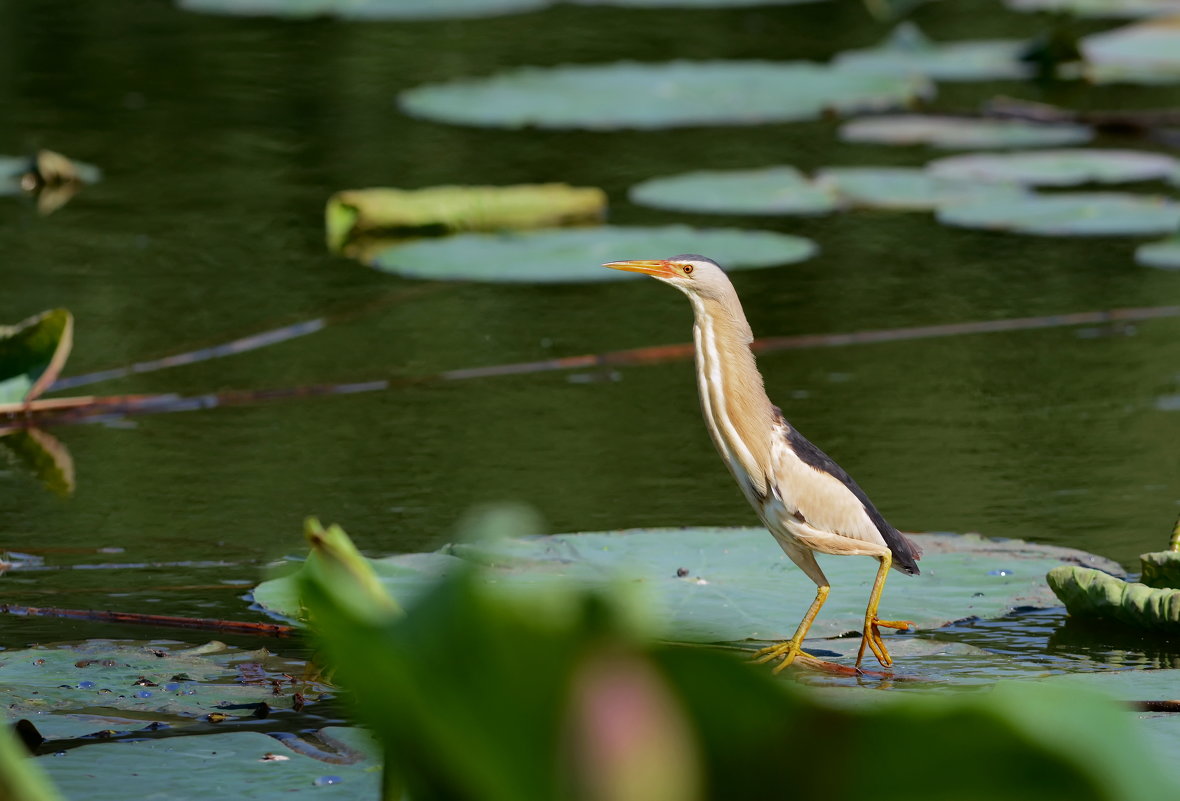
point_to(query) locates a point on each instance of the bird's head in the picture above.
(691, 274)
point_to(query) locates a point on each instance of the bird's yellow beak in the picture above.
(659, 268)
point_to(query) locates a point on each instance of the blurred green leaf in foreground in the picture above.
(478, 694)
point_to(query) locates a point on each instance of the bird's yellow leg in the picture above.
(793, 647)
(872, 634)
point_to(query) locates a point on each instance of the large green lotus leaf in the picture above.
(1160, 569)
(768, 190)
(907, 52)
(962, 132)
(724, 585)
(907, 188)
(1164, 254)
(1067, 214)
(1101, 8)
(341, 763)
(1146, 52)
(1089, 593)
(149, 682)
(1066, 167)
(363, 9)
(460, 208)
(576, 255)
(632, 95)
(32, 353)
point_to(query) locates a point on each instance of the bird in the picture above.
(807, 501)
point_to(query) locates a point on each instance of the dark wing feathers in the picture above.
(905, 552)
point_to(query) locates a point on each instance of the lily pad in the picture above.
(907, 188)
(631, 95)
(691, 3)
(1066, 167)
(32, 354)
(363, 9)
(908, 51)
(1067, 214)
(1089, 593)
(340, 763)
(1164, 254)
(769, 190)
(962, 132)
(459, 208)
(1146, 52)
(149, 682)
(719, 585)
(1101, 8)
(567, 256)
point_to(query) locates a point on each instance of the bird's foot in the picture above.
(787, 651)
(872, 639)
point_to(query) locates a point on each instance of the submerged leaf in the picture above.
(715, 585)
(962, 132)
(908, 52)
(460, 208)
(1164, 254)
(768, 190)
(1067, 214)
(567, 256)
(32, 354)
(241, 765)
(631, 95)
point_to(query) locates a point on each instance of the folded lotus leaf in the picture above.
(459, 208)
(32, 353)
(1089, 593)
(1161, 569)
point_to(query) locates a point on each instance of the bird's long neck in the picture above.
(739, 415)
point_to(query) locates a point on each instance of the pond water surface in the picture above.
(221, 139)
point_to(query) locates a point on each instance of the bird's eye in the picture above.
(688, 269)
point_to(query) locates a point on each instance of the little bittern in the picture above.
(805, 499)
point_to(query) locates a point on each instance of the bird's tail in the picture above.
(906, 554)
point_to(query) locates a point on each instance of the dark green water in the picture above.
(222, 138)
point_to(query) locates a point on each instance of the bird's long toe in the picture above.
(786, 651)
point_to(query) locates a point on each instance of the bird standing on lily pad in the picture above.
(806, 500)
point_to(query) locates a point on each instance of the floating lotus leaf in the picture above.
(906, 188)
(962, 132)
(1164, 254)
(1089, 593)
(575, 255)
(32, 353)
(908, 52)
(631, 95)
(363, 9)
(459, 208)
(1067, 214)
(1146, 52)
(1101, 8)
(769, 190)
(146, 682)
(340, 763)
(1066, 167)
(717, 585)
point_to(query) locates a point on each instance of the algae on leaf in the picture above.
(32, 354)
(660, 95)
(577, 255)
(459, 208)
